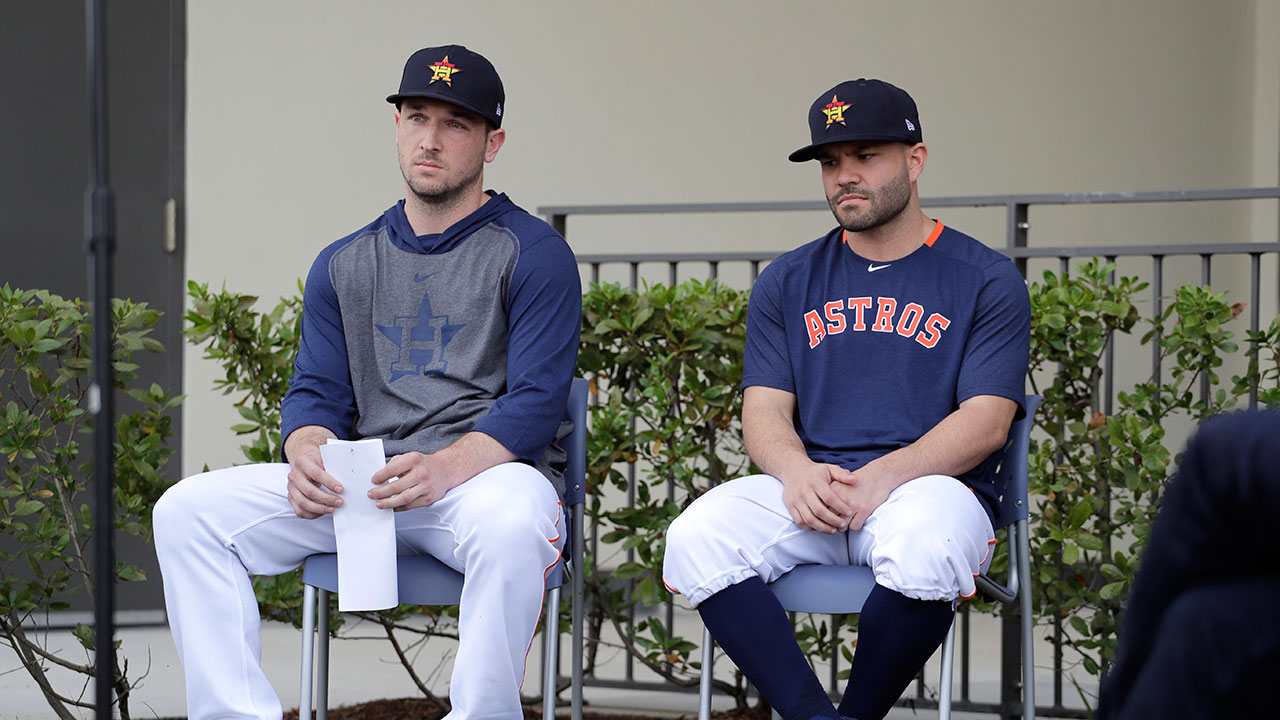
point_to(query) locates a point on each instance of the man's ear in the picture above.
(917, 156)
(493, 143)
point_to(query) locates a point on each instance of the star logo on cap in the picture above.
(835, 111)
(443, 70)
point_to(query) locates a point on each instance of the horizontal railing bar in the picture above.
(1091, 198)
(1039, 252)
(1163, 250)
(706, 257)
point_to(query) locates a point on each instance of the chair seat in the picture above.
(422, 579)
(827, 589)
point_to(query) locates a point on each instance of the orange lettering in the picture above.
(814, 324)
(858, 305)
(933, 328)
(911, 314)
(836, 317)
(884, 316)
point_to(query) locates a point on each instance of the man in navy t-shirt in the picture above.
(884, 364)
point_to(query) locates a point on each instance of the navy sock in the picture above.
(753, 629)
(896, 635)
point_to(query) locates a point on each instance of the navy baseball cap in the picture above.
(455, 75)
(861, 110)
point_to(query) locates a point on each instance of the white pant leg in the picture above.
(737, 530)
(503, 529)
(211, 531)
(926, 541)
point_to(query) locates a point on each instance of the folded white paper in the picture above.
(366, 535)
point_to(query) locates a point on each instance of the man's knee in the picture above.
(173, 514)
(518, 509)
(932, 552)
(686, 533)
(706, 549)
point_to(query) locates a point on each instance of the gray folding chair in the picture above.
(424, 580)
(842, 589)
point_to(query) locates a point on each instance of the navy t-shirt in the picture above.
(877, 354)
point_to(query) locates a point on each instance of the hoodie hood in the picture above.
(402, 234)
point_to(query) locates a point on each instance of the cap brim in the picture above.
(806, 153)
(810, 152)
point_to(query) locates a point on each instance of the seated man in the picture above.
(447, 327)
(884, 364)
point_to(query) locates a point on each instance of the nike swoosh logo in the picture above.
(872, 267)
(419, 278)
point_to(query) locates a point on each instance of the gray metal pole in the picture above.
(99, 229)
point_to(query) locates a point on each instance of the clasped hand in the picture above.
(830, 499)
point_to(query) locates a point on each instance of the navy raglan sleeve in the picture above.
(766, 361)
(999, 344)
(320, 391)
(544, 322)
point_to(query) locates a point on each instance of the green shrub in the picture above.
(45, 372)
(666, 363)
(1098, 478)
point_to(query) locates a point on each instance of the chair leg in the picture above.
(577, 609)
(948, 665)
(1022, 546)
(704, 684)
(322, 658)
(551, 630)
(308, 637)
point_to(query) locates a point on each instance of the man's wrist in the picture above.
(306, 440)
(793, 467)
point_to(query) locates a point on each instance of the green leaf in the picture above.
(1070, 554)
(85, 635)
(1111, 590)
(1088, 542)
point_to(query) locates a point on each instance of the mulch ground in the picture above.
(421, 709)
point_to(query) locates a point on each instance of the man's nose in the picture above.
(848, 173)
(430, 139)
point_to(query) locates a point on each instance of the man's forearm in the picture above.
(955, 445)
(471, 455)
(771, 440)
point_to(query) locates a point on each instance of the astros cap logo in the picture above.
(443, 70)
(835, 111)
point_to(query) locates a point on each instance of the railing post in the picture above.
(1255, 298)
(1016, 227)
(1010, 667)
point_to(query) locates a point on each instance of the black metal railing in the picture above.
(1017, 236)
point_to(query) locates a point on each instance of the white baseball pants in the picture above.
(928, 540)
(504, 528)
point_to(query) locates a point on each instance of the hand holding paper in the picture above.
(366, 536)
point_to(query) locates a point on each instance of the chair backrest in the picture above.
(1011, 472)
(575, 473)
(575, 445)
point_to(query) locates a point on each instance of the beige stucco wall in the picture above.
(290, 144)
